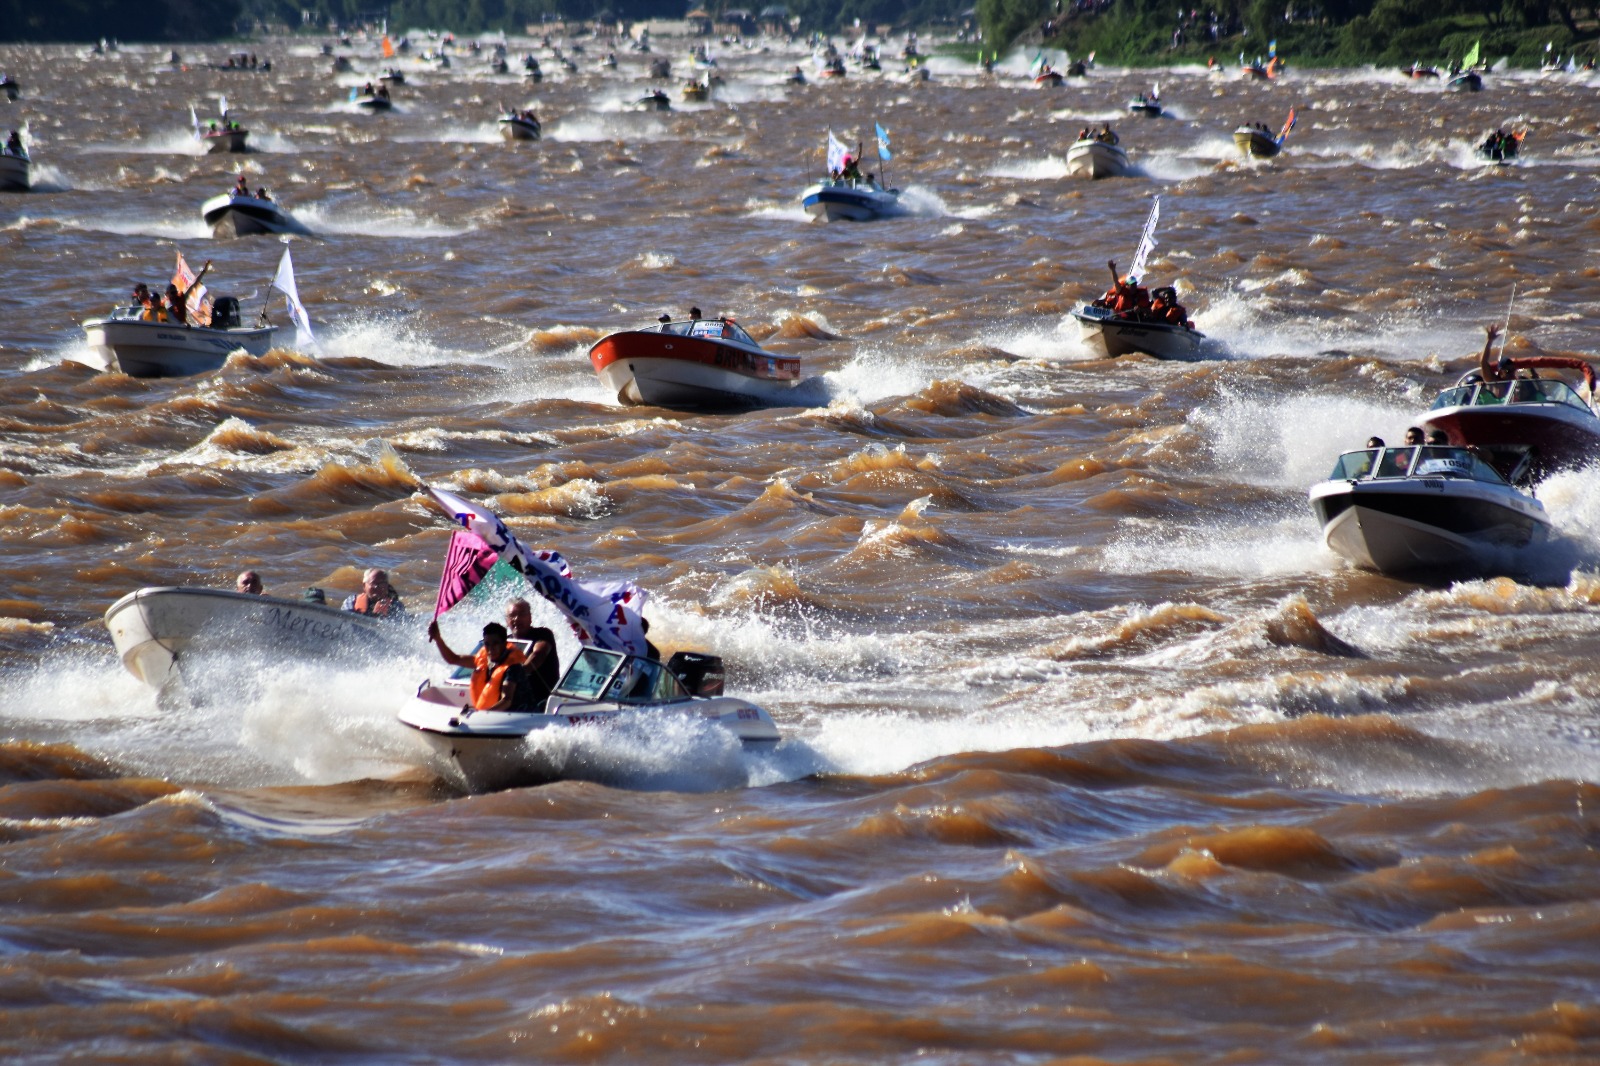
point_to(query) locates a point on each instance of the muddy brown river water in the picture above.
(1093, 752)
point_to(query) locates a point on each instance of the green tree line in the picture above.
(90, 20)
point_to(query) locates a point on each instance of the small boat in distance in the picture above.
(11, 87)
(221, 135)
(1429, 508)
(654, 100)
(1501, 147)
(1468, 81)
(1257, 141)
(520, 125)
(1130, 319)
(850, 199)
(372, 99)
(1417, 71)
(697, 364)
(16, 166)
(489, 750)
(1148, 105)
(393, 76)
(236, 214)
(1096, 158)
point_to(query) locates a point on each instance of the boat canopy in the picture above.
(1519, 391)
(1415, 461)
(712, 328)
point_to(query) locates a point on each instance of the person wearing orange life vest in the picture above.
(1125, 296)
(499, 682)
(376, 597)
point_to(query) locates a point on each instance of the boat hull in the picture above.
(1466, 83)
(241, 216)
(374, 104)
(1415, 525)
(226, 141)
(1096, 159)
(1051, 80)
(1255, 143)
(847, 203)
(15, 173)
(155, 629)
(1112, 337)
(659, 370)
(485, 751)
(518, 130)
(166, 350)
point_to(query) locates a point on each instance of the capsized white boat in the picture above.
(122, 341)
(232, 215)
(155, 630)
(1438, 508)
(699, 364)
(488, 750)
(1097, 159)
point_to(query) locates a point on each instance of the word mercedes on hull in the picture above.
(853, 200)
(698, 364)
(487, 750)
(232, 215)
(1526, 427)
(124, 341)
(155, 629)
(1113, 334)
(1424, 508)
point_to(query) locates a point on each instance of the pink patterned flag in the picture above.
(467, 561)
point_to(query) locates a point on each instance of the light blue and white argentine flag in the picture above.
(883, 142)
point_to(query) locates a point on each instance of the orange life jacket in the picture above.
(377, 607)
(486, 678)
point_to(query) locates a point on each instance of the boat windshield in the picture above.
(1522, 390)
(644, 681)
(587, 676)
(1426, 461)
(714, 328)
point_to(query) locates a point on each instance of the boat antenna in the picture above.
(1507, 334)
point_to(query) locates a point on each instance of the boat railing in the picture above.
(1517, 391)
(1415, 461)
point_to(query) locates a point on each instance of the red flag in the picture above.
(467, 561)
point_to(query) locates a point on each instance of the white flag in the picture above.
(837, 151)
(284, 283)
(196, 120)
(608, 616)
(1147, 242)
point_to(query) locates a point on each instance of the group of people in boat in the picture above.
(1500, 144)
(1128, 299)
(377, 92)
(1105, 135)
(377, 598)
(522, 114)
(850, 170)
(242, 188)
(170, 306)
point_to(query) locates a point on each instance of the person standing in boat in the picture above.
(241, 187)
(376, 597)
(1493, 369)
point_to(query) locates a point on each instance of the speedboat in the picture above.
(834, 68)
(654, 100)
(861, 200)
(1077, 69)
(232, 215)
(1467, 81)
(1048, 79)
(1255, 142)
(1501, 149)
(1526, 427)
(1115, 334)
(229, 138)
(488, 750)
(519, 126)
(11, 87)
(155, 630)
(1146, 106)
(15, 172)
(1254, 72)
(701, 363)
(1424, 508)
(124, 342)
(373, 102)
(1417, 71)
(1097, 159)
(393, 77)
(696, 92)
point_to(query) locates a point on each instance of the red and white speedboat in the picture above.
(1526, 427)
(700, 363)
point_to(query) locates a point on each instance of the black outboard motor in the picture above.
(701, 674)
(225, 313)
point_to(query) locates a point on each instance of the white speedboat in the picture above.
(698, 364)
(124, 342)
(1428, 508)
(15, 172)
(857, 201)
(488, 750)
(156, 629)
(1097, 159)
(229, 139)
(1526, 427)
(1113, 334)
(232, 215)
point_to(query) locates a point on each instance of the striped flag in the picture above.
(465, 565)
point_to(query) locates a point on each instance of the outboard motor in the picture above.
(225, 313)
(701, 674)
